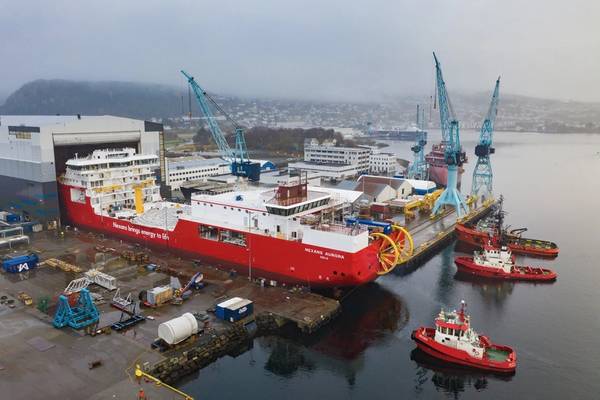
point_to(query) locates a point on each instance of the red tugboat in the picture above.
(494, 262)
(491, 230)
(454, 341)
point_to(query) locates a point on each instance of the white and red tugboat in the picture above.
(498, 262)
(454, 341)
(293, 233)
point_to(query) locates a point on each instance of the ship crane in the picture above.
(418, 169)
(482, 174)
(453, 153)
(238, 157)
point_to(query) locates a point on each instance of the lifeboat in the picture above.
(499, 263)
(452, 340)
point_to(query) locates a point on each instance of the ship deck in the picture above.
(495, 354)
(164, 217)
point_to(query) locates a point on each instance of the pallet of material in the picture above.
(65, 266)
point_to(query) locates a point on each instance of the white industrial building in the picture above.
(277, 177)
(339, 163)
(382, 163)
(35, 148)
(328, 153)
(334, 172)
(184, 170)
(401, 187)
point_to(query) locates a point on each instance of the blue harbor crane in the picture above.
(238, 157)
(453, 153)
(482, 174)
(418, 168)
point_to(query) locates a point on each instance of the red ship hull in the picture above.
(267, 257)
(438, 169)
(424, 337)
(530, 247)
(518, 273)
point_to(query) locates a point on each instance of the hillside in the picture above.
(94, 98)
(139, 100)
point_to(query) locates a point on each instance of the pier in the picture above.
(431, 235)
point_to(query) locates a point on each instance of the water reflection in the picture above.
(371, 315)
(493, 292)
(445, 280)
(451, 380)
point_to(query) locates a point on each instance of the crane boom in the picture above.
(482, 174)
(215, 130)
(418, 168)
(487, 128)
(453, 153)
(444, 104)
(238, 158)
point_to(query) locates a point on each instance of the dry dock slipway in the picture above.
(40, 361)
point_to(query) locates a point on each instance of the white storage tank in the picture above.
(178, 329)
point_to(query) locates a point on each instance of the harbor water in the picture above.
(550, 185)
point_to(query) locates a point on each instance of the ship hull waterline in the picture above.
(467, 265)
(476, 238)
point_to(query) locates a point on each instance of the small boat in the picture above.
(491, 229)
(498, 262)
(477, 236)
(452, 340)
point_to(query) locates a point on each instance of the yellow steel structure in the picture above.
(139, 374)
(108, 188)
(409, 207)
(430, 198)
(471, 201)
(394, 248)
(139, 194)
(139, 200)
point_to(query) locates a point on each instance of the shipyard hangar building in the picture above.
(35, 149)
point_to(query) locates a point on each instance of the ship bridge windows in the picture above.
(296, 209)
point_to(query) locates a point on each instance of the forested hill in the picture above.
(127, 99)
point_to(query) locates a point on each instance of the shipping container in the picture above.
(9, 217)
(21, 263)
(234, 309)
(160, 295)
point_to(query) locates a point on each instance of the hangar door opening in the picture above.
(66, 146)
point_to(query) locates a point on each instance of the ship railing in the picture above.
(339, 228)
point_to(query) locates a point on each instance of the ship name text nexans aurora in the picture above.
(294, 233)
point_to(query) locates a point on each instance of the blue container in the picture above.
(12, 218)
(22, 263)
(234, 309)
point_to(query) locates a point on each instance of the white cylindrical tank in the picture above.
(178, 329)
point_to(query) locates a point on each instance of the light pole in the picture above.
(250, 214)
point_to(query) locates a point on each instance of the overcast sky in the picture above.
(331, 50)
